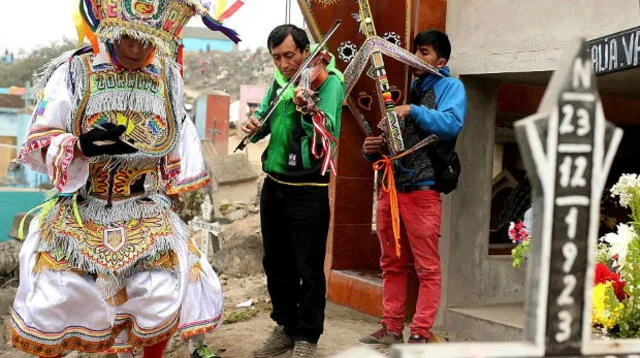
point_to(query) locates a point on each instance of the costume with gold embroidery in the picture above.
(107, 256)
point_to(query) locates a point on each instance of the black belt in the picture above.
(410, 188)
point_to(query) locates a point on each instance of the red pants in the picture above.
(420, 213)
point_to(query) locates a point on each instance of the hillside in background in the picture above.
(22, 69)
(203, 71)
(225, 71)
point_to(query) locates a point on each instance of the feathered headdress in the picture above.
(157, 22)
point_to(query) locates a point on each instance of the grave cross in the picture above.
(568, 148)
(206, 232)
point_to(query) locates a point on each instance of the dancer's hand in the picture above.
(104, 141)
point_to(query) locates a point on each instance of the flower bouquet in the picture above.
(616, 292)
(616, 295)
(521, 236)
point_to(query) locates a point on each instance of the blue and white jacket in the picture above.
(440, 109)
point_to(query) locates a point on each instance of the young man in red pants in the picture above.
(438, 106)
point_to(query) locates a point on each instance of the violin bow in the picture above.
(292, 81)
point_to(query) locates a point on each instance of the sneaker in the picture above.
(277, 343)
(304, 349)
(418, 339)
(382, 336)
(204, 352)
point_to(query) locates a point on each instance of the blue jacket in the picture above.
(451, 100)
(446, 120)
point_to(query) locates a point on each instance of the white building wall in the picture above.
(495, 36)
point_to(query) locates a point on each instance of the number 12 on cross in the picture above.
(570, 153)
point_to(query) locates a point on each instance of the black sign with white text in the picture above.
(615, 52)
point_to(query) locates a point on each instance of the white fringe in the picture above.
(175, 85)
(78, 74)
(113, 34)
(136, 100)
(44, 75)
(111, 282)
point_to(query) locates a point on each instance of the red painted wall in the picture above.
(217, 125)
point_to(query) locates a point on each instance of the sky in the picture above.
(29, 24)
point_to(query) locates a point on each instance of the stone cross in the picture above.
(208, 231)
(207, 209)
(568, 148)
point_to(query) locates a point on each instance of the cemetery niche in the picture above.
(568, 148)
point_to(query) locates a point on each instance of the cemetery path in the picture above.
(343, 326)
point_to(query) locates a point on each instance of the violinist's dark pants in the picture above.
(295, 224)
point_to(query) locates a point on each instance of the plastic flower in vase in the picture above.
(519, 235)
(607, 309)
(616, 303)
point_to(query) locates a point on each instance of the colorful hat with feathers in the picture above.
(157, 22)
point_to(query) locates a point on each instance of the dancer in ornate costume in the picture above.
(107, 260)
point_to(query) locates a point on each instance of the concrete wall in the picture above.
(250, 94)
(9, 122)
(242, 191)
(493, 36)
(14, 201)
(501, 36)
(471, 276)
(236, 192)
(201, 116)
(6, 153)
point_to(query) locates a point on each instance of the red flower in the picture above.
(603, 274)
(518, 233)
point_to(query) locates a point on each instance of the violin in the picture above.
(312, 78)
(318, 79)
(318, 70)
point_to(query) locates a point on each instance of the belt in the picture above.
(410, 188)
(296, 184)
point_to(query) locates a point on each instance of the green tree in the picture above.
(23, 69)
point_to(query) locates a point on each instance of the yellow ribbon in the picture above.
(84, 31)
(79, 22)
(21, 226)
(46, 207)
(222, 6)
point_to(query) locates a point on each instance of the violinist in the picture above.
(294, 202)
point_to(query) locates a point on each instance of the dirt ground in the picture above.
(343, 326)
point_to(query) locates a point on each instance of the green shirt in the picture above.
(289, 149)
